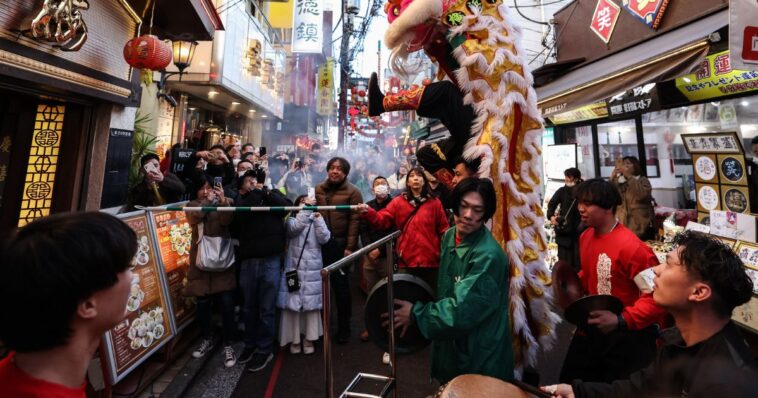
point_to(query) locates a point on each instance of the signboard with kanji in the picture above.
(325, 81)
(743, 34)
(308, 26)
(716, 78)
(634, 102)
(604, 19)
(648, 11)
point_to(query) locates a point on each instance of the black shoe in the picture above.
(375, 96)
(247, 355)
(260, 361)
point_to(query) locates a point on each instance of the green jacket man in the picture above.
(469, 323)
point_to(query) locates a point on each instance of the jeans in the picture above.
(259, 281)
(204, 314)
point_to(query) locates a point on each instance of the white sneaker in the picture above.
(295, 348)
(386, 358)
(205, 346)
(308, 347)
(229, 358)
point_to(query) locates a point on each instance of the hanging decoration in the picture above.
(148, 53)
(648, 11)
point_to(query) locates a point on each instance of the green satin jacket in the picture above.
(469, 323)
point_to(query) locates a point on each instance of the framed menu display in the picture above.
(706, 169)
(748, 253)
(173, 235)
(737, 226)
(747, 314)
(146, 326)
(708, 197)
(735, 198)
(704, 218)
(732, 169)
(730, 243)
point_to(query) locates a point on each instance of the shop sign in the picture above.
(588, 112)
(307, 26)
(61, 22)
(604, 19)
(648, 11)
(146, 326)
(743, 34)
(634, 102)
(325, 99)
(716, 78)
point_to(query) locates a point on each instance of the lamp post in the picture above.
(183, 52)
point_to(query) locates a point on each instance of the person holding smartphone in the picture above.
(155, 188)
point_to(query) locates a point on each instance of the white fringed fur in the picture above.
(418, 12)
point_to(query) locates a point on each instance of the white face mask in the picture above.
(381, 191)
(241, 173)
(570, 184)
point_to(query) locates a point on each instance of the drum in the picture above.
(566, 284)
(478, 386)
(406, 287)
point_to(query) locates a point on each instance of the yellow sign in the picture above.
(325, 81)
(588, 112)
(715, 78)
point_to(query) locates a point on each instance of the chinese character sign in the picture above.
(604, 19)
(743, 34)
(717, 77)
(307, 26)
(648, 11)
(325, 82)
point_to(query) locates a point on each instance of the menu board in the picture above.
(557, 159)
(173, 235)
(146, 326)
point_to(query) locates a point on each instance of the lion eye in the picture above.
(396, 11)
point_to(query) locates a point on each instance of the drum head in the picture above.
(478, 386)
(406, 287)
(578, 312)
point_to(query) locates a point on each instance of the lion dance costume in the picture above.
(489, 105)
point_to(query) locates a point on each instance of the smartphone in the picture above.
(312, 193)
(218, 181)
(151, 168)
(262, 151)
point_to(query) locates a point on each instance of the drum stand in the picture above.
(389, 381)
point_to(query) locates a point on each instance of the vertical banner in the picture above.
(308, 26)
(743, 34)
(325, 79)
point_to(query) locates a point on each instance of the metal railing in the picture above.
(390, 383)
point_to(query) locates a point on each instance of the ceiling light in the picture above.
(745, 103)
(264, 116)
(234, 103)
(193, 109)
(212, 92)
(687, 80)
(252, 111)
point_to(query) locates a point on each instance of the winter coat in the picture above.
(260, 234)
(469, 323)
(370, 234)
(342, 224)
(565, 197)
(170, 189)
(308, 298)
(636, 210)
(419, 241)
(397, 183)
(202, 283)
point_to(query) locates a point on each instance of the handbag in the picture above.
(214, 253)
(291, 277)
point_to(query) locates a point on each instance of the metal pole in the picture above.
(347, 28)
(391, 310)
(325, 315)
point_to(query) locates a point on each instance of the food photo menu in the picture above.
(174, 237)
(146, 326)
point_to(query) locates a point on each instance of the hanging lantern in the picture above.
(147, 52)
(354, 90)
(361, 93)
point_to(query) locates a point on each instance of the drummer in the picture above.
(612, 346)
(471, 313)
(701, 283)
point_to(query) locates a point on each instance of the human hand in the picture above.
(362, 208)
(554, 220)
(203, 154)
(154, 176)
(559, 390)
(347, 252)
(374, 254)
(605, 320)
(219, 192)
(402, 316)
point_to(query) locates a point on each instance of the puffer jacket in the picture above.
(342, 224)
(636, 211)
(216, 223)
(308, 298)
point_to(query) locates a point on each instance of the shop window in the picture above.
(585, 153)
(43, 162)
(617, 140)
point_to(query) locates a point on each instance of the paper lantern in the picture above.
(147, 52)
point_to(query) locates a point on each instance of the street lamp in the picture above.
(184, 51)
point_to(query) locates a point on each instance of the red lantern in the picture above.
(354, 90)
(147, 52)
(361, 93)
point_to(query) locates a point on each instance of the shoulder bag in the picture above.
(291, 277)
(214, 253)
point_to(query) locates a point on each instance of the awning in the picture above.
(662, 58)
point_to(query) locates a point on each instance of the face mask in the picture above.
(570, 184)
(381, 191)
(241, 173)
